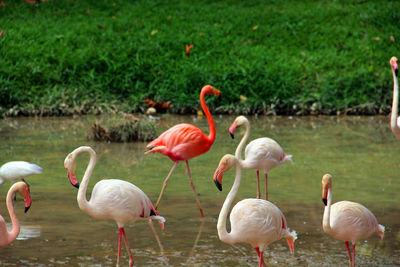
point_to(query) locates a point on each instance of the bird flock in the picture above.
(255, 221)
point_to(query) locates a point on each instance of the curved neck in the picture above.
(221, 225)
(14, 220)
(395, 103)
(81, 198)
(327, 213)
(211, 135)
(239, 149)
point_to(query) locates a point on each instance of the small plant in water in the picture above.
(126, 129)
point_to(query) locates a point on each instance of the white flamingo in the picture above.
(257, 222)
(394, 119)
(111, 199)
(347, 221)
(260, 154)
(18, 170)
(6, 237)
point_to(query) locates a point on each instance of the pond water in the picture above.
(360, 152)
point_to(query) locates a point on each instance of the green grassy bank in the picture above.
(285, 57)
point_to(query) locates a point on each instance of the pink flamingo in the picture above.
(6, 237)
(394, 120)
(257, 222)
(347, 221)
(111, 198)
(261, 154)
(185, 141)
(18, 170)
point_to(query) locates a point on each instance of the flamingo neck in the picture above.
(239, 149)
(81, 197)
(327, 213)
(14, 220)
(211, 135)
(395, 103)
(221, 225)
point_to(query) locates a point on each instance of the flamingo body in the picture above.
(111, 198)
(257, 222)
(181, 142)
(17, 170)
(264, 154)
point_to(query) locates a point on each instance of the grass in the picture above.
(284, 57)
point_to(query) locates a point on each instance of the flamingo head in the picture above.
(393, 64)
(224, 165)
(70, 166)
(23, 189)
(239, 121)
(210, 90)
(326, 184)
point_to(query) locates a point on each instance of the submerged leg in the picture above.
(121, 230)
(349, 253)
(266, 185)
(119, 246)
(354, 255)
(165, 184)
(258, 184)
(194, 190)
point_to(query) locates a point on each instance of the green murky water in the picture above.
(360, 153)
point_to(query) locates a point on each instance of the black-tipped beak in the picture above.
(396, 71)
(232, 135)
(76, 185)
(27, 208)
(219, 186)
(325, 202)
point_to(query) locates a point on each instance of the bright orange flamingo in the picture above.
(185, 141)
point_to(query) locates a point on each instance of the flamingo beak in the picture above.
(72, 179)
(232, 130)
(291, 245)
(395, 67)
(28, 200)
(324, 195)
(218, 178)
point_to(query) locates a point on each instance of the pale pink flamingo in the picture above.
(111, 198)
(18, 170)
(257, 222)
(394, 119)
(260, 154)
(347, 221)
(185, 141)
(6, 237)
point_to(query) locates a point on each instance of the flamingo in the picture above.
(6, 237)
(347, 221)
(185, 141)
(394, 120)
(16, 170)
(255, 221)
(111, 198)
(261, 154)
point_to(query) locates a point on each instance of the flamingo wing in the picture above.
(264, 152)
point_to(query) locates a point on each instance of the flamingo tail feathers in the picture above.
(287, 158)
(381, 231)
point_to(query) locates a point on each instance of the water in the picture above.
(360, 153)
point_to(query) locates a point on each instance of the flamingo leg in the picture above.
(121, 230)
(266, 185)
(349, 253)
(194, 190)
(354, 255)
(260, 258)
(165, 184)
(258, 184)
(119, 246)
